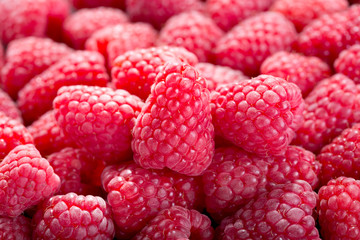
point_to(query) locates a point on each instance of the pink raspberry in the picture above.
(26, 179)
(177, 223)
(73, 216)
(32, 55)
(8, 107)
(15, 228)
(250, 42)
(140, 194)
(304, 71)
(98, 119)
(59, 10)
(259, 115)
(348, 63)
(338, 204)
(283, 213)
(216, 75)
(98, 3)
(191, 30)
(83, 23)
(135, 71)
(174, 128)
(80, 67)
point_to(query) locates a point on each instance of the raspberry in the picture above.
(59, 10)
(193, 31)
(15, 228)
(8, 107)
(338, 216)
(2, 58)
(250, 42)
(177, 223)
(348, 63)
(98, 3)
(302, 12)
(140, 194)
(26, 58)
(98, 119)
(227, 14)
(135, 71)
(259, 115)
(26, 179)
(80, 67)
(304, 71)
(331, 107)
(73, 216)
(217, 75)
(83, 23)
(174, 128)
(283, 213)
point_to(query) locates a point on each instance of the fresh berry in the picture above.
(136, 195)
(216, 75)
(259, 115)
(135, 71)
(26, 58)
(250, 42)
(174, 128)
(98, 3)
(98, 119)
(15, 228)
(193, 31)
(83, 23)
(59, 10)
(283, 213)
(177, 223)
(348, 63)
(338, 204)
(73, 216)
(26, 179)
(80, 67)
(2, 58)
(228, 13)
(8, 106)
(331, 107)
(304, 71)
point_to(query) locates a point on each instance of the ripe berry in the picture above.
(15, 228)
(348, 63)
(8, 107)
(98, 3)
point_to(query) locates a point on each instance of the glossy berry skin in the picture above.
(259, 115)
(26, 179)
(348, 63)
(83, 23)
(250, 42)
(98, 119)
(285, 212)
(178, 223)
(8, 107)
(135, 71)
(73, 216)
(80, 67)
(32, 55)
(137, 195)
(331, 107)
(338, 204)
(193, 31)
(15, 228)
(174, 128)
(304, 71)
(98, 3)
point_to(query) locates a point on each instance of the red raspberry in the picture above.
(338, 215)
(174, 128)
(8, 107)
(216, 75)
(304, 71)
(348, 63)
(193, 31)
(73, 216)
(227, 14)
(157, 12)
(80, 67)
(26, 179)
(83, 23)
(2, 58)
(98, 3)
(135, 71)
(260, 115)
(302, 12)
(26, 58)
(283, 213)
(140, 194)
(15, 228)
(331, 107)
(250, 42)
(177, 223)
(98, 119)
(59, 10)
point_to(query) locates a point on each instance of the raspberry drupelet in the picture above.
(15, 228)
